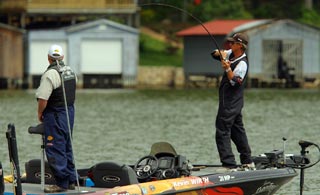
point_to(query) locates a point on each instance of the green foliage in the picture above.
(205, 11)
(274, 8)
(155, 53)
(236, 9)
(151, 44)
(163, 12)
(147, 16)
(310, 17)
(209, 10)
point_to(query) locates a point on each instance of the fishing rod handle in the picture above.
(218, 54)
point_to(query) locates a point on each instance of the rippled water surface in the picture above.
(121, 125)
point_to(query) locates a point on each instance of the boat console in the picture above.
(162, 163)
(166, 167)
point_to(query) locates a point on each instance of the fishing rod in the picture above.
(192, 16)
(65, 71)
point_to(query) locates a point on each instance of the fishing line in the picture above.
(192, 16)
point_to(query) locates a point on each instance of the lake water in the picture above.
(121, 125)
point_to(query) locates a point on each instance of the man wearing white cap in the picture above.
(56, 96)
(229, 124)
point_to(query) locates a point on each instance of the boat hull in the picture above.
(251, 182)
(258, 182)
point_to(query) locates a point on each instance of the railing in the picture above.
(67, 4)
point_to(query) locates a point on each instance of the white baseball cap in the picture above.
(55, 51)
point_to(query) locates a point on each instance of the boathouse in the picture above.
(11, 56)
(103, 53)
(269, 40)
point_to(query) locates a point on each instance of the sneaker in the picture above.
(53, 189)
(248, 167)
(72, 186)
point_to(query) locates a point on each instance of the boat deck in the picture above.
(204, 170)
(28, 188)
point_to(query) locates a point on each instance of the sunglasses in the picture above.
(234, 42)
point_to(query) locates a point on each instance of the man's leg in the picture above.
(55, 148)
(224, 143)
(239, 137)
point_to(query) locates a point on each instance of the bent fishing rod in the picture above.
(192, 16)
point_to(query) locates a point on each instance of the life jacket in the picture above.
(68, 78)
(231, 96)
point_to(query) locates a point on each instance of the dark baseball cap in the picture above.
(239, 37)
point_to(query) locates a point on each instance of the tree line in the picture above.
(305, 11)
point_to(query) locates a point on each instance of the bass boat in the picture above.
(163, 172)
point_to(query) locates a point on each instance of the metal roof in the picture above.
(218, 27)
(103, 22)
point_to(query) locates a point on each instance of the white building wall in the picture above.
(71, 39)
(283, 30)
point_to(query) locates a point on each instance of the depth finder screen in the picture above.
(165, 164)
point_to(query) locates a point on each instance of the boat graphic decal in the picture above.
(152, 188)
(163, 186)
(226, 178)
(144, 190)
(224, 191)
(266, 188)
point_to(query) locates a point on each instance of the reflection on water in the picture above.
(121, 125)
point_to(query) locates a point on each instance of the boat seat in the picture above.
(111, 174)
(38, 129)
(33, 172)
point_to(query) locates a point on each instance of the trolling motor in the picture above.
(278, 159)
(303, 165)
(301, 161)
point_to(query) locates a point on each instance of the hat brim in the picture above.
(231, 39)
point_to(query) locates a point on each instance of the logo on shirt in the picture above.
(49, 138)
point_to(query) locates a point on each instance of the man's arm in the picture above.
(42, 104)
(45, 89)
(237, 75)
